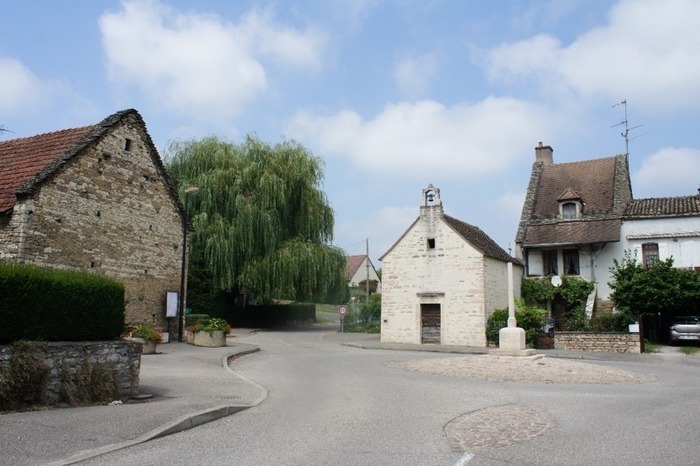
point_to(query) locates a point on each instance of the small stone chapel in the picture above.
(442, 279)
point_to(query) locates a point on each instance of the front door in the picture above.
(430, 323)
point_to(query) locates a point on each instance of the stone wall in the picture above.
(602, 342)
(123, 356)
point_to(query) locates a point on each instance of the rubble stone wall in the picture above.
(603, 342)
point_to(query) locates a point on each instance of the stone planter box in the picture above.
(147, 346)
(209, 339)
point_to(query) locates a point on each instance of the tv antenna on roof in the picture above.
(624, 122)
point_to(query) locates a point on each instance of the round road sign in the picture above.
(342, 310)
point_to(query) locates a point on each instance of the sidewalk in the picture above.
(190, 386)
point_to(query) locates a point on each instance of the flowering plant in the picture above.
(145, 331)
(210, 325)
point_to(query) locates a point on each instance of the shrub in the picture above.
(529, 319)
(145, 331)
(26, 379)
(38, 303)
(210, 325)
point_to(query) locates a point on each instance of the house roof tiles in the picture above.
(592, 180)
(352, 263)
(572, 232)
(664, 207)
(23, 159)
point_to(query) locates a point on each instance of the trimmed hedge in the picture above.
(39, 303)
(268, 315)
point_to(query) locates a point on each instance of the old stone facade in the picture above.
(103, 204)
(441, 280)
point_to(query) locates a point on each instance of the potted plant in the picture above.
(145, 334)
(210, 332)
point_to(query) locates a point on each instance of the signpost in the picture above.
(342, 310)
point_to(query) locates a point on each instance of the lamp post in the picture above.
(181, 306)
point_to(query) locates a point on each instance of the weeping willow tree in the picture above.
(262, 224)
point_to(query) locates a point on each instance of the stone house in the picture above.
(358, 269)
(95, 198)
(579, 216)
(442, 279)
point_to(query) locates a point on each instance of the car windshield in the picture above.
(687, 320)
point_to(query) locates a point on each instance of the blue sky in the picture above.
(392, 94)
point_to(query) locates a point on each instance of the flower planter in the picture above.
(209, 339)
(148, 346)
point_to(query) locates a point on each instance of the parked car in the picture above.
(685, 328)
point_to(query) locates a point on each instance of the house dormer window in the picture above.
(569, 211)
(570, 205)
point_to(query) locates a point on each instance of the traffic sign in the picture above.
(342, 310)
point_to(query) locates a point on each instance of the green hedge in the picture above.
(266, 316)
(54, 305)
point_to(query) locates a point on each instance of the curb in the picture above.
(180, 424)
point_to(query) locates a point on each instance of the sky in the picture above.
(393, 95)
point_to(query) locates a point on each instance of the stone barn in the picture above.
(442, 279)
(95, 198)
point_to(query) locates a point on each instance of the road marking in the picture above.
(466, 457)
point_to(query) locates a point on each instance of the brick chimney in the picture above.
(544, 154)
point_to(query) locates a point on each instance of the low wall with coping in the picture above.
(122, 356)
(603, 342)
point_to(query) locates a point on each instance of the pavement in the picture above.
(181, 386)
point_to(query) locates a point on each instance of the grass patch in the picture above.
(330, 308)
(650, 347)
(690, 350)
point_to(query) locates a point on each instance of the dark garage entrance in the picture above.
(430, 323)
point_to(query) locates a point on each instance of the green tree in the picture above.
(262, 224)
(659, 288)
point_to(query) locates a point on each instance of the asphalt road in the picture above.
(330, 404)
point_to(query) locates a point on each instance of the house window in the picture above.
(549, 262)
(650, 253)
(431, 243)
(571, 266)
(569, 211)
(127, 144)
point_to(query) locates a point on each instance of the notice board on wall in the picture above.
(172, 304)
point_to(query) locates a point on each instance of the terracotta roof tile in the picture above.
(23, 159)
(664, 207)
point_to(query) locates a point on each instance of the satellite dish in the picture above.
(556, 281)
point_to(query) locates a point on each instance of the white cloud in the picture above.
(19, 87)
(414, 73)
(199, 64)
(646, 53)
(412, 138)
(672, 171)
